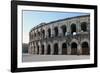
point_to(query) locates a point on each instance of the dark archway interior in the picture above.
(42, 49)
(74, 48)
(85, 48)
(38, 33)
(84, 26)
(56, 31)
(74, 45)
(64, 30)
(64, 48)
(49, 32)
(37, 49)
(48, 49)
(85, 45)
(56, 49)
(34, 34)
(43, 32)
(73, 28)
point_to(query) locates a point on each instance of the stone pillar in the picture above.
(35, 49)
(88, 27)
(39, 48)
(45, 48)
(46, 32)
(36, 35)
(69, 49)
(32, 50)
(78, 25)
(79, 50)
(59, 31)
(31, 47)
(52, 31)
(60, 47)
(68, 27)
(52, 49)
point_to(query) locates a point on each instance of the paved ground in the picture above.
(34, 58)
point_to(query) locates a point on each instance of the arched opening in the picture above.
(49, 32)
(38, 49)
(55, 49)
(64, 30)
(42, 52)
(85, 48)
(73, 28)
(34, 34)
(74, 48)
(56, 31)
(38, 33)
(43, 33)
(48, 49)
(84, 26)
(64, 48)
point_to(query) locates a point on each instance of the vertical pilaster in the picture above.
(79, 50)
(69, 50)
(45, 48)
(59, 31)
(52, 31)
(59, 48)
(52, 49)
(68, 27)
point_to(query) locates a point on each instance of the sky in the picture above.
(33, 18)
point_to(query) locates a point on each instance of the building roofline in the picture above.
(42, 24)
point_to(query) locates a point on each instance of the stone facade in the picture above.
(69, 36)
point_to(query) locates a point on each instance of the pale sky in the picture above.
(33, 18)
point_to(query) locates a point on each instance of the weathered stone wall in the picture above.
(66, 31)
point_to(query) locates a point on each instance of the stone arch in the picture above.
(63, 27)
(74, 40)
(43, 33)
(56, 31)
(56, 49)
(74, 47)
(85, 47)
(48, 49)
(64, 48)
(49, 32)
(84, 26)
(73, 28)
(38, 33)
(85, 40)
